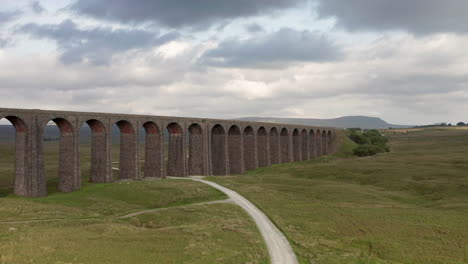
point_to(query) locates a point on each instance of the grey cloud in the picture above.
(97, 45)
(37, 7)
(254, 28)
(386, 79)
(416, 16)
(4, 42)
(272, 50)
(175, 14)
(7, 16)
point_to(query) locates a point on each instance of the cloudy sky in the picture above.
(403, 61)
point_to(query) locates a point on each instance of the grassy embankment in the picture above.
(406, 206)
(90, 233)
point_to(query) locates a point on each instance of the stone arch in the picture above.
(324, 143)
(69, 178)
(218, 150)
(196, 152)
(262, 147)
(21, 180)
(312, 144)
(274, 146)
(125, 127)
(175, 150)
(235, 150)
(296, 145)
(153, 151)
(18, 123)
(329, 141)
(284, 144)
(128, 151)
(249, 148)
(100, 156)
(96, 126)
(318, 143)
(304, 145)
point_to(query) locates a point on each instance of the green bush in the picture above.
(359, 138)
(370, 142)
(369, 150)
(375, 137)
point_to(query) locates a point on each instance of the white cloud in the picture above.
(397, 76)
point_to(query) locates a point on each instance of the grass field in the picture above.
(85, 227)
(406, 206)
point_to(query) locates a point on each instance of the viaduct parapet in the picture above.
(194, 146)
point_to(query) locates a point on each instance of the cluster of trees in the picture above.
(443, 124)
(370, 142)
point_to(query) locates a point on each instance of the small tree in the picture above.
(359, 138)
(370, 143)
(461, 124)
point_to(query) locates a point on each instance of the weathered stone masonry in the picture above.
(195, 146)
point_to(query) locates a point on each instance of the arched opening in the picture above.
(296, 145)
(274, 146)
(304, 145)
(262, 147)
(175, 150)
(234, 144)
(218, 150)
(312, 144)
(153, 151)
(85, 152)
(329, 142)
(196, 153)
(324, 143)
(318, 143)
(13, 148)
(284, 141)
(94, 155)
(128, 156)
(249, 148)
(68, 176)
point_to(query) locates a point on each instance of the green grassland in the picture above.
(406, 206)
(83, 226)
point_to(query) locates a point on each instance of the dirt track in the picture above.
(278, 246)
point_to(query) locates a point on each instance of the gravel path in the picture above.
(278, 246)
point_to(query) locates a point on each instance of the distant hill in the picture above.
(364, 122)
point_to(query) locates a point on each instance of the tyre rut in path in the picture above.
(279, 249)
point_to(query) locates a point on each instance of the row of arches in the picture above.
(172, 151)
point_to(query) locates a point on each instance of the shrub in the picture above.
(375, 137)
(358, 138)
(370, 143)
(368, 150)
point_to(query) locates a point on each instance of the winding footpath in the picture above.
(278, 246)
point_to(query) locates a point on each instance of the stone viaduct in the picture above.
(195, 146)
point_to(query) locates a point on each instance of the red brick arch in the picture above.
(64, 125)
(96, 126)
(125, 127)
(17, 123)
